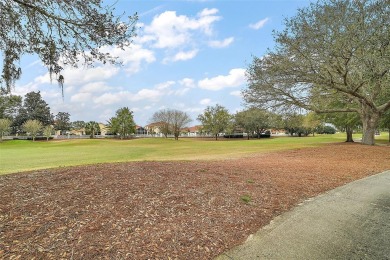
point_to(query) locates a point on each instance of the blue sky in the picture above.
(188, 55)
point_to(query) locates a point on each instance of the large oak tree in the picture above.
(329, 50)
(60, 33)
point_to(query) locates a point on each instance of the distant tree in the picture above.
(215, 119)
(92, 128)
(345, 122)
(330, 49)
(62, 121)
(123, 122)
(32, 127)
(34, 108)
(171, 121)
(311, 122)
(47, 131)
(385, 122)
(326, 129)
(231, 128)
(162, 118)
(78, 125)
(9, 105)
(292, 123)
(60, 33)
(5, 125)
(179, 120)
(254, 120)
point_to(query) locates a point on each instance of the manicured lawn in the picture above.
(18, 155)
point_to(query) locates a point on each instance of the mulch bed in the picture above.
(167, 210)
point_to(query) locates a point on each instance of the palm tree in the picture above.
(92, 128)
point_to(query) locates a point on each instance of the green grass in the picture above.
(246, 198)
(21, 155)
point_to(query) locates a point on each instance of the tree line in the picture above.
(32, 115)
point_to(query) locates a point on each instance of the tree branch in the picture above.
(52, 16)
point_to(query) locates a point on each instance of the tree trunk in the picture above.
(216, 137)
(349, 132)
(370, 120)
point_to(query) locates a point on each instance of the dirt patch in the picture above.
(167, 210)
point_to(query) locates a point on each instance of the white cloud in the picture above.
(132, 57)
(208, 12)
(108, 98)
(81, 97)
(181, 56)
(165, 85)
(221, 44)
(169, 30)
(141, 95)
(153, 10)
(236, 93)
(105, 115)
(43, 79)
(187, 82)
(36, 62)
(51, 94)
(260, 24)
(235, 78)
(23, 90)
(79, 76)
(94, 87)
(181, 92)
(207, 18)
(205, 101)
(147, 94)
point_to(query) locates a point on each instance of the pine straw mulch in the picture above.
(167, 210)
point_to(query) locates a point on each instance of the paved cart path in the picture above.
(349, 222)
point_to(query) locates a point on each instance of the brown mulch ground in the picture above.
(167, 210)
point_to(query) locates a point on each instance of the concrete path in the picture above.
(349, 222)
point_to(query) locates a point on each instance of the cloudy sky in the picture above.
(188, 55)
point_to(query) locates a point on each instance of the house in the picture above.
(277, 131)
(103, 129)
(80, 131)
(139, 130)
(193, 131)
(154, 128)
